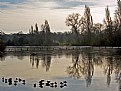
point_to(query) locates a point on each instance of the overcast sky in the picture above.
(19, 15)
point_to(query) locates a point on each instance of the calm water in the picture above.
(88, 69)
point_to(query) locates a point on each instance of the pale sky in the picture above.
(19, 15)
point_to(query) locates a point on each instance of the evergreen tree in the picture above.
(87, 26)
(108, 27)
(87, 21)
(119, 11)
(36, 28)
(46, 33)
(32, 30)
(46, 27)
(107, 20)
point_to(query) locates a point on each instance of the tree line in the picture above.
(83, 31)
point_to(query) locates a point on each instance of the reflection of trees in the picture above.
(117, 70)
(88, 66)
(113, 64)
(108, 69)
(34, 60)
(117, 66)
(46, 61)
(88, 69)
(20, 55)
(75, 70)
(2, 56)
(84, 66)
(83, 63)
(119, 81)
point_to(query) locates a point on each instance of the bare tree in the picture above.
(73, 20)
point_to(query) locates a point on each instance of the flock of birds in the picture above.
(11, 81)
(41, 83)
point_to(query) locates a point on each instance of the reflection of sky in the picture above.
(14, 67)
(17, 15)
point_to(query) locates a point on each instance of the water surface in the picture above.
(87, 69)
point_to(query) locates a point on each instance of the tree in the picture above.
(86, 21)
(117, 19)
(108, 27)
(107, 20)
(31, 30)
(86, 26)
(46, 31)
(2, 46)
(96, 34)
(45, 27)
(97, 27)
(73, 20)
(36, 28)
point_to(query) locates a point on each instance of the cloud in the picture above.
(60, 4)
(72, 4)
(52, 4)
(18, 15)
(13, 1)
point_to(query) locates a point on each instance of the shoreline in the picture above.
(52, 48)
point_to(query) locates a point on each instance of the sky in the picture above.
(19, 15)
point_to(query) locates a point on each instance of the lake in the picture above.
(86, 69)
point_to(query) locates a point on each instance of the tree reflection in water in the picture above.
(2, 56)
(34, 60)
(76, 69)
(108, 68)
(45, 60)
(83, 63)
(82, 66)
(88, 69)
(119, 81)
(117, 69)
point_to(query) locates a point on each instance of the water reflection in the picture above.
(76, 69)
(83, 65)
(119, 81)
(108, 68)
(83, 62)
(2, 56)
(34, 60)
(44, 58)
(46, 62)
